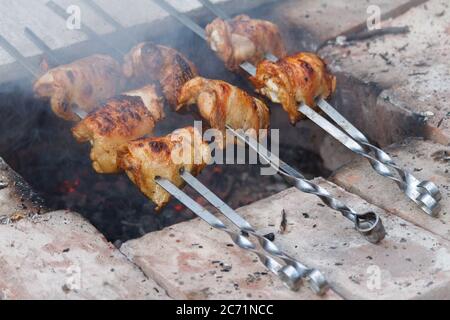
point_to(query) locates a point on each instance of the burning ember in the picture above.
(70, 186)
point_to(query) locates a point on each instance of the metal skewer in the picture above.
(424, 193)
(287, 275)
(368, 224)
(292, 272)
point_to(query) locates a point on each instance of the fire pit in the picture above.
(112, 203)
(42, 149)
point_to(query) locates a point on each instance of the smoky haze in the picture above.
(40, 146)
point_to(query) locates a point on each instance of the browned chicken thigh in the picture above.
(150, 63)
(124, 118)
(82, 84)
(147, 159)
(244, 39)
(221, 104)
(296, 79)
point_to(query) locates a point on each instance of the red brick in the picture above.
(60, 256)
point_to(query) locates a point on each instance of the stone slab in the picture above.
(410, 263)
(61, 256)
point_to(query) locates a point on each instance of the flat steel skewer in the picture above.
(368, 224)
(291, 273)
(424, 193)
(372, 229)
(268, 246)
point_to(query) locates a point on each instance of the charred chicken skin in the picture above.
(82, 84)
(244, 39)
(127, 117)
(150, 63)
(221, 104)
(296, 79)
(147, 159)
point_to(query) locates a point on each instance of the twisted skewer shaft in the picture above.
(425, 193)
(268, 246)
(368, 224)
(290, 275)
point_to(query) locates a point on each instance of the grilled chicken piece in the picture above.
(127, 117)
(244, 39)
(82, 84)
(150, 63)
(145, 160)
(221, 104)
(300, 78)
